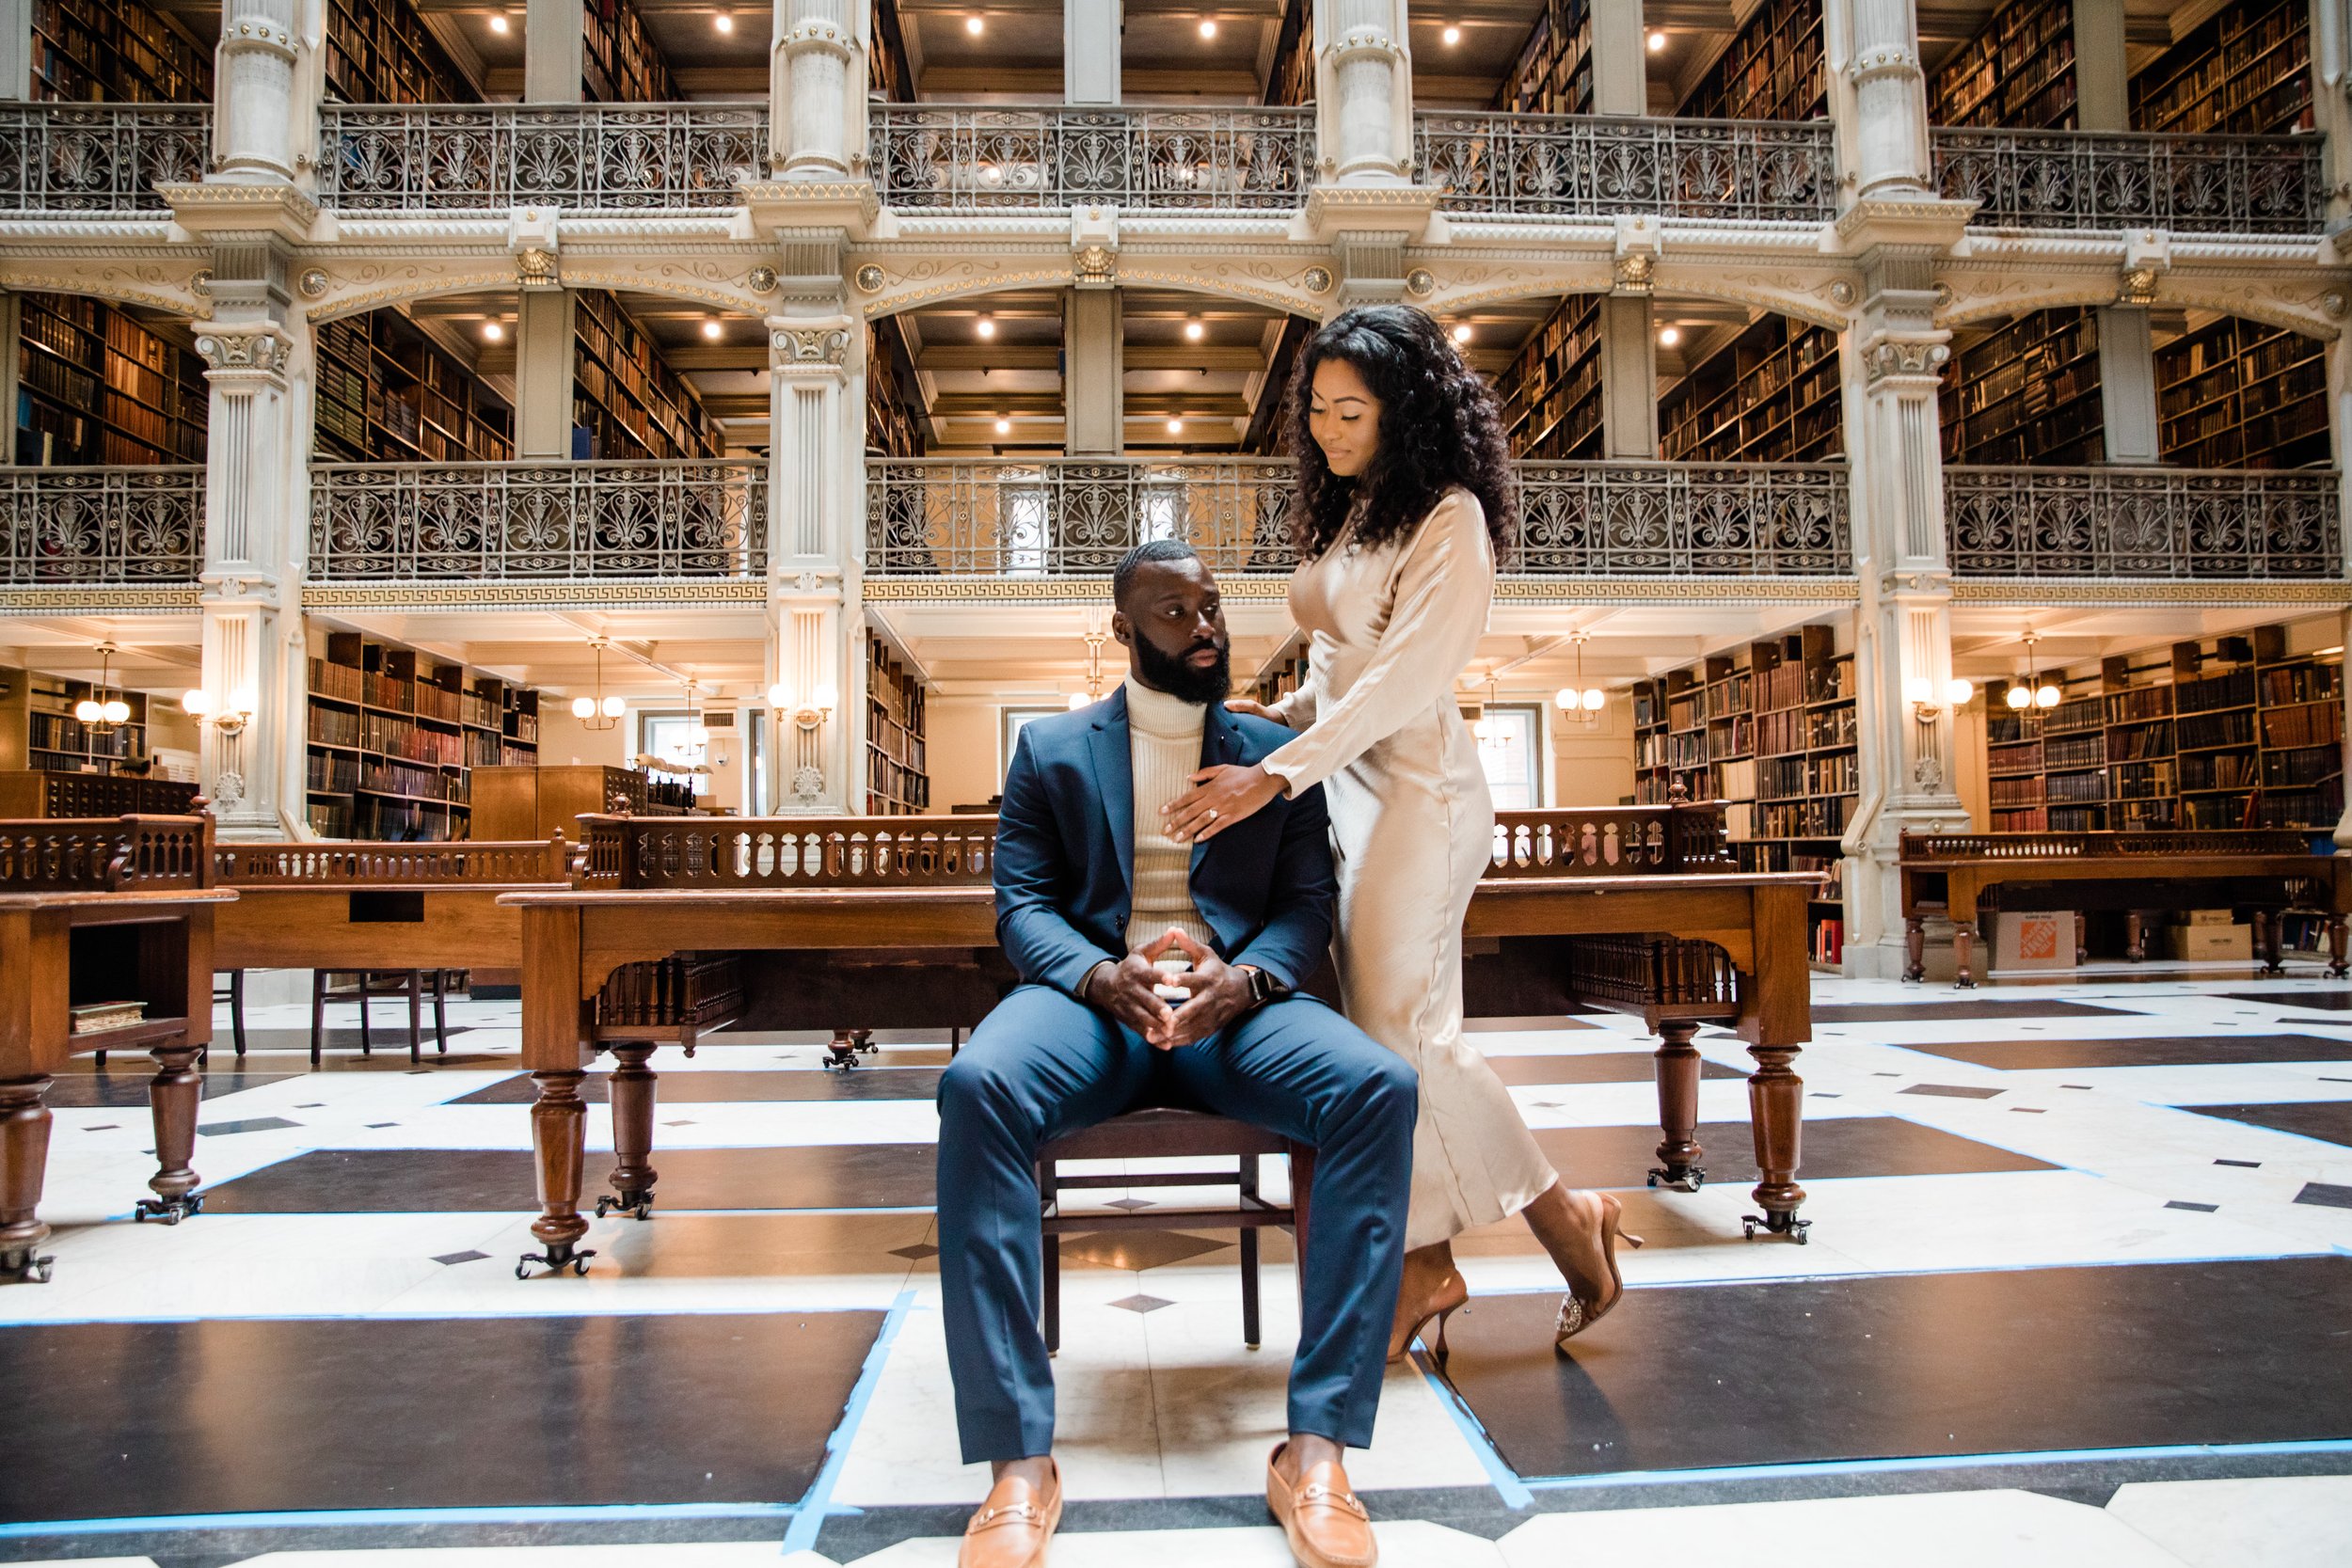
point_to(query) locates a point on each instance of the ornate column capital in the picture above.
(797, 347)
(245, 357)
(1890, 358)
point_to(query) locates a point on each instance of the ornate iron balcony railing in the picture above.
(111, 526)
(1075, 516)
(972, 157)
(1590, 166)
(2107, 179)
(2143, 523)
(99, 157)
(593, 157)
(701, 518)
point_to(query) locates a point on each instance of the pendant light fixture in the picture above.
(598, 712)
(1096, 635)
(2034, 690)
(1583, 701)
(104, 711)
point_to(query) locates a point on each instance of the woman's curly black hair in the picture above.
(1440, 427)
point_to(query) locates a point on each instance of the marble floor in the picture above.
(2080, 1257)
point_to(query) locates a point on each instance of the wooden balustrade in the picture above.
(466, 863)
(122, 854)
(723, 853)
(1612, 840)
(1931, 848)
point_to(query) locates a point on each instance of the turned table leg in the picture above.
(1679, 1155)
(23, 1159)
(2339, 949)
(632, 1135)
(1963, 946)
(1916, 948)
(172, 1095)
(559, 1126)
(2270, 937)
(2135, 936)
(1776, 1109)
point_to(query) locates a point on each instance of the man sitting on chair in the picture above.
(1089, 892)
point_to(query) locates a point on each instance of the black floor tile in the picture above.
(2152, 1051)
(1834, 1148)
(2326, 1194)
(1924, 1365)
(1953, 1091)
(2335, 1001)
(124, 1087)
(474, 1180)
(262, 1415)
(1608, 1067)
(2329, 1120)
(1930, 1012)
(699, 1089)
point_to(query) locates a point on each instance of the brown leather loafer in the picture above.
(1012, 1528)
(1326, 1525)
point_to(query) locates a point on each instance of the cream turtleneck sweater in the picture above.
(1164, 752)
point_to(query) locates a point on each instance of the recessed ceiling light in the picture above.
(711, 327)
(1004, 427)
(973, 25)
(1669, 335)
(1194, 330)
(1451, 36)
(985, 327)
(493, 331)
(1462, 332)
(499, 23)
(1175, 427)
(1656, 42)
(724, 21)
(1208, 29)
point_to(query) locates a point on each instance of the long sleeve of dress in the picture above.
(1444, 585)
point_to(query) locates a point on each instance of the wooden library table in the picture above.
(102, 910)
(1970, 877)
(890, 921)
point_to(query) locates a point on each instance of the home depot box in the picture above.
(2207, 917)
(2033, 941)
(2210, 943)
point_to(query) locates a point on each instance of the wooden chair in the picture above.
(235, 996)
(409, 983)
(1168, 1133)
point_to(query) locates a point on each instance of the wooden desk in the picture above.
(101, 909)
(1967, 877)
(891, 921)
(379, 906)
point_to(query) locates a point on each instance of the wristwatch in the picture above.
(1263, 987)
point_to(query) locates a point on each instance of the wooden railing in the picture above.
(122, 854)
(527, 862)
(1930, 848)
(1612, 840)
(787, 852)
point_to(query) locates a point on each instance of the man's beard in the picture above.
(1178, 677)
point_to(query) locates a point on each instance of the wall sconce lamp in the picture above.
(1919, 693)
(197, 704)
(808, 715)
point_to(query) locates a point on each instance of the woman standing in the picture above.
(1403, 497)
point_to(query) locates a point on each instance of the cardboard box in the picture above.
(2036, 939)
(2208, 917)
(2210, 943)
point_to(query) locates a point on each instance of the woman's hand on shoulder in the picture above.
(1254, 708)
(1219, 797)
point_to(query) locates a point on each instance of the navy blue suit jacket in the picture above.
(1065, 853)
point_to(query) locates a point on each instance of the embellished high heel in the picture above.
(1576, 1314)
(1451, 1295)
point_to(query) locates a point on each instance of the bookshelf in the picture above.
(381, 52)
(619, 63)
(2232, 732)
(1771, 70)
(889, 75)
(1553, 72)
(99, 385)
(892, 427)
(1550, 394)
(897, 777)
(1770, 731)
(43, 736)
(2237, 394)
(387, 393)
(394, 738)
(625, 394)
(1770, 395)
(115, 52)
(2018, 71)
(1290, 77)
(2027, 393)
(1283, 676)
(2245, 70)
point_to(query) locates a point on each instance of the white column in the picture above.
(2127, 384)
(1091, 32)
(817, 87)
(2331, 101)
(255, 132)
(1364, 91)
(542, 375)
(2102, 73)
(256, 543)
(1628, 377)
(1620, 59)
(555, 51)
(16, 51)
(1904, 622)
(1882, 104)
(1094, 403)
(816, 371)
